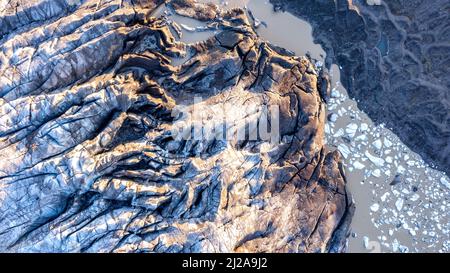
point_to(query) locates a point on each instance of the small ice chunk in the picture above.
(361, 138)
(377, 144)
(188, 28)
(445, 182)
(401, 169)
(387, 143)
(345, 151)
(410, 163)
(335, 93)
(375, 207)
(395, 245)
(351, 129)
(366, 242)
(388, 159)
(376, 173)
(375, 160)
(384, 196)
(257, 23)
(373, 2)
(339, 133)
(332, 117)
(399, 204)
(364, 127)
(358, 165)
(415, 197)
(403, 249)
(327, 129)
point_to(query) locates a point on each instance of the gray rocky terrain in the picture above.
(87, 159)
(394, 59)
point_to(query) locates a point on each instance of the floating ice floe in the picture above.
(351, 129)
(358, 165)
(366, 242)
(376, 173)
(378, 144)
(345, 151)
(385, 196)
(387, 143)
(332, 117)
(374, 207)
(445, 182)
(401, 169)
(375, 160)
(364, 127)
(399, 204)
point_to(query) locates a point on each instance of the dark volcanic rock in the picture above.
(87, 159)
(395, 61)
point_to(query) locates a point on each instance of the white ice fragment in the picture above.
(335, 93)
(350, 130)
(377, 144)
(384, 196)
(257, 23)
(345, 151)
(373, 2)
(387, 143)
(376, 173)
(395, 245)
(388, 159)
(327, 129)
(358, 165)
(399, 204)
(361, 138)
(410, 163)
(374, 207)
(364, 127)
(375, 160)
(401, 169)
(188, 28)
(403, 249)
(333, 117)
(445, 182)
(366, 242)
(339, 133)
